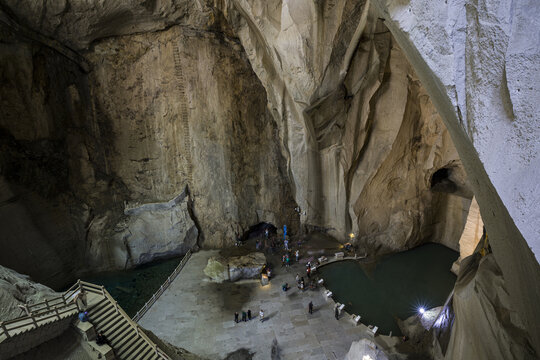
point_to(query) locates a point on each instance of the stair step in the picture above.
(103, 316)
(121, 336)
(116, 334)
(97, 312)
(133, 338)
(134, 349)
(144, 354)
(98, 305)
(149, 355)
(112, 326)
(127, 337)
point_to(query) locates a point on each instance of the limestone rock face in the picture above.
(235, 268)
(482, 305)
(17, 289)
(91, 162)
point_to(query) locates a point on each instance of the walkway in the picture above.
(197, 315)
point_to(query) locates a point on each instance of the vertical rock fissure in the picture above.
(184, 116)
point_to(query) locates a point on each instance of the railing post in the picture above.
(3, 326)
(47, 304)
(155, 348)
(57, 313)
(116, 306)
(34, 320)
(103, 290)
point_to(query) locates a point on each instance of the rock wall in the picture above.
(361, 136)
(154, 151)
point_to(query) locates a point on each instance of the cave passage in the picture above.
(397, 287)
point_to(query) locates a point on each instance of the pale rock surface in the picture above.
(235, 268)
(160, 229)
(17, 289)
(483, 307)
(365, 349)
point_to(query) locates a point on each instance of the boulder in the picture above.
(235, 268)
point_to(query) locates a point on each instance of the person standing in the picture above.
(286, 243)
(261, 315)
(308, 272)
(310, 307)
(297, 253)
(249, 314)
(244, 316)
(336, 313)
(236, 317)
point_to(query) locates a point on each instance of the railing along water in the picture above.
(162, 288)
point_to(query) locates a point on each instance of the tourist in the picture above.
(80, 299)
(310, 307)
(286, 244)
(236, 317)
(287, 260)
(283, 260)
(297, 278)
(302, 286)
(285, 287)
(261, 315)
(101, 339)
(244, 316)
(266, 233)
(249, 314)
(308, 271)
(336, 312)
(83, 316)
(297, 253)
(268, 272)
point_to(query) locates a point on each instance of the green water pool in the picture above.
(132, 288)
(396, 287)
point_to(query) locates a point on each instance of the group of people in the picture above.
(246, 316)
(80, 299)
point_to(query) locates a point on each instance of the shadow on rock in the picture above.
(240, 354)
(275, 351)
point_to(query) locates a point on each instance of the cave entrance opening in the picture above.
(258, 230)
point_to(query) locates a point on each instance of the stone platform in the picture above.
(198, 315)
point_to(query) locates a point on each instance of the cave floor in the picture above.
(198, 315)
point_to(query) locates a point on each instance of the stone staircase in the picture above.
(127, 340)
(123, 336)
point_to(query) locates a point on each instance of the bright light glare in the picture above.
(366, 357)
(421, 310)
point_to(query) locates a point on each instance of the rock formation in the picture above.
(17, 289)
(328, 110)
(235, 268)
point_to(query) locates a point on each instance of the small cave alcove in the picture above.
(441, 181)
(258, 230)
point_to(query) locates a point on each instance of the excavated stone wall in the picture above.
(355, 129)
(165, 145)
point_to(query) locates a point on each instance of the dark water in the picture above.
(397, 287)
(132, 288)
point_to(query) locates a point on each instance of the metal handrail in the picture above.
(162, 288)
(36, 319)
(101, 290)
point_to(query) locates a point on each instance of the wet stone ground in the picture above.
(198, 315)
